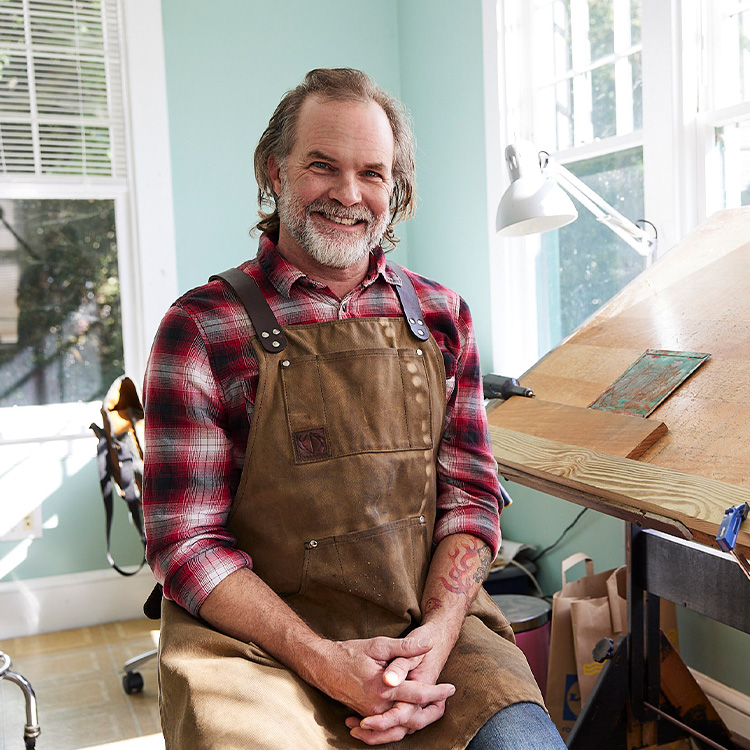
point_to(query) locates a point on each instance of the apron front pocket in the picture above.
(364, 578)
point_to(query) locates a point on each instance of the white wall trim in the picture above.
(152, 267)
(52, 603)
(732, 706)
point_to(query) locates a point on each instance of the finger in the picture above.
(379, 738)
(406, 715)
(425, 715)
(420, 693)
(396, 672)
(399, 714)
(387, 649)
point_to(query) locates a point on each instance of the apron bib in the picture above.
(336, 506)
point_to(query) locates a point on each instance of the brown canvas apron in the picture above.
(336, 506)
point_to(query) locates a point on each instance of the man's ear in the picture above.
(274, 172)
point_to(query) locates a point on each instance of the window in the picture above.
(725, 102)
(61, 118)
(649, 104)
(87, 252)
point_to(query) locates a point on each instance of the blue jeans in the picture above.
(522, 726)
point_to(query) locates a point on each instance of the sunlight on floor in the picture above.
(77, 677)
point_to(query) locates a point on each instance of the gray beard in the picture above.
(329, 248)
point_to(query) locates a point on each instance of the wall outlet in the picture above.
(29, 527)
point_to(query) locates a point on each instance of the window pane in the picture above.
(588, 69)
(732, 54)
(60, 322)
(584, 264)
(733, 144)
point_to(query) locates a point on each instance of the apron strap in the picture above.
(270, 333)
(410, 303)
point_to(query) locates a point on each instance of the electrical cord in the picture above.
(529, 574)
(560, 538)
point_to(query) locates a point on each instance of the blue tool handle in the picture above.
(730, 526)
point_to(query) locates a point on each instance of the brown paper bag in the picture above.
(563, 697)
(607, 617)
(596, 618)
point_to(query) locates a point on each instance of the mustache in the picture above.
(356, 213)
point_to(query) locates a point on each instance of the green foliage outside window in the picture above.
(62, 341)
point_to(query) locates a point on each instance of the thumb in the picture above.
(396, 672)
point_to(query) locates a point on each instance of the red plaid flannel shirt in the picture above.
(198, 395)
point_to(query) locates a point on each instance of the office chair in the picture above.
(31, 730)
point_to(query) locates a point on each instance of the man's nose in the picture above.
(346, 190)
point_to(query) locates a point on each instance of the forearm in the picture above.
(457, 571)
(244, 607)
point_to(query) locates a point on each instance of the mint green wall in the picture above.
(228, 64)
(440, 43)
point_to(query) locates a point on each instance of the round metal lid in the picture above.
(524, 612)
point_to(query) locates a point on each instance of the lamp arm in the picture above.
(631, 233)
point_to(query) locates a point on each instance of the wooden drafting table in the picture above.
(676, 471)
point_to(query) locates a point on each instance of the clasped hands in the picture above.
(392, 683)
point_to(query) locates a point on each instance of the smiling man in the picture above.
(320, 496)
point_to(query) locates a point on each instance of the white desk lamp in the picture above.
(535, 202)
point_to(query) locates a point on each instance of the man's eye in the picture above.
(372, 173)
(320, 165)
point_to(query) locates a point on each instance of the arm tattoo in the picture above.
(470, 563)
(433, 604)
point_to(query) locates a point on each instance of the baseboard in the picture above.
(732, 706)
(45, 605)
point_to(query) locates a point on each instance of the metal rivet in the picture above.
(312, 543)
(276, 343)
(265, 334)
(421, 322)
(419, 352)
(285, 363)
(420, 331)
(422, 519)
(276, 331)
(412, 321)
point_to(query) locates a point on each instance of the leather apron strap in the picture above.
(270, 333)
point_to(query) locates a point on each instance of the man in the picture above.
(320, 498)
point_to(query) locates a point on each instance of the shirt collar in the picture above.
(283, 275)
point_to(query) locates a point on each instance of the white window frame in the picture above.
(680, 176)
(143, 211)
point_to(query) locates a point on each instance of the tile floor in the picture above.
(77, 678)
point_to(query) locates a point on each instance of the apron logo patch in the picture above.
(311, 444)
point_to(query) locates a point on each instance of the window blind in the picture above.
(61, 103)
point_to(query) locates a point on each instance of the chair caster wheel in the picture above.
(132, 682)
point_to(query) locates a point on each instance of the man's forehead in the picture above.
(324, 124)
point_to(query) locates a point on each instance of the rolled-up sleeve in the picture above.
(470, 497)
(188, 465)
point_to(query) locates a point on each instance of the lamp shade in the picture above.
(532, 203)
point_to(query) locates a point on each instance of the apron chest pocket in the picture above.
(334, 406)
